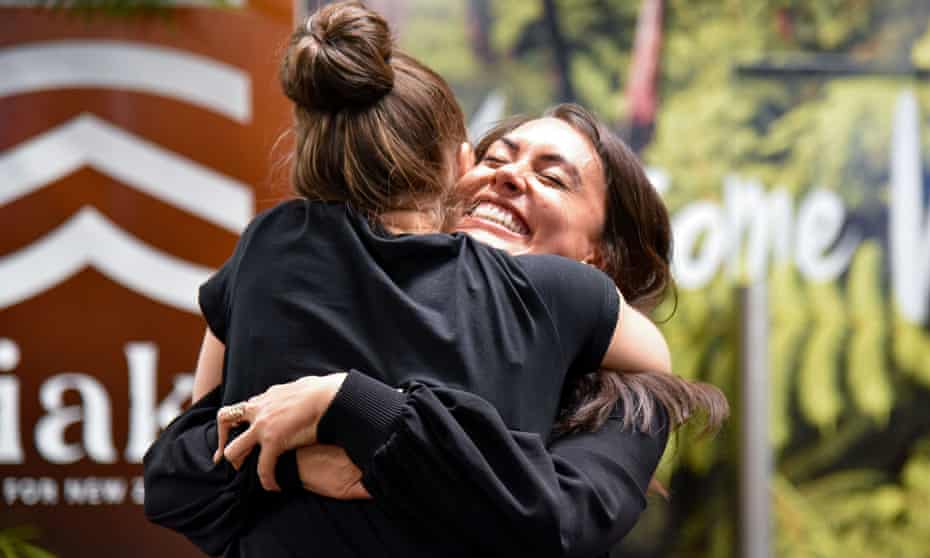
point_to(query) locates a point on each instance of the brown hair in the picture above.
(635, 251)
(374, 127)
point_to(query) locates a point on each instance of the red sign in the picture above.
(132, 153)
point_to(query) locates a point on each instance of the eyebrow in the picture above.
(511, 145)
(572, 170)
(562, 162)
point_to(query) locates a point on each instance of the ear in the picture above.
(595, 257)
(465, 159)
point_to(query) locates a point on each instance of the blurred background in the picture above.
(788, 138)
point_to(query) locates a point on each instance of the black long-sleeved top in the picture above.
(314, 287)
(311, 288)
(575, 497)
(440, 461)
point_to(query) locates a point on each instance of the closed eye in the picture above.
(552, 179)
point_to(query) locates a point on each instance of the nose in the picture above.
(508, 180)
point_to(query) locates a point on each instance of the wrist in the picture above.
(362, 416)
(322, 390)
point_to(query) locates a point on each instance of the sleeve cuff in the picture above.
(608, 321)
(212, 309)
(361, 417)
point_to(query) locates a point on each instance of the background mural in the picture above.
(788, 137)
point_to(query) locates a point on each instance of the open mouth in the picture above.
(499, 215)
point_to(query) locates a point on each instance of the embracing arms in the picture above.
(209, 372)
(519, 484)
(444, 458)
(576, 495)
(431, 456)
(637, 344)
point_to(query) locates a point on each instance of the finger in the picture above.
(267, 458)
(465, 159)
(222, 433)
(357, 492)
(239, 449)
(227, 418)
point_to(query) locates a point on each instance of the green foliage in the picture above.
(920, 52)
(818, 382)
(443, 47)
(118, 9)
(861, 513)
(598, 33)
(17, 542)
(846, 371)
(841, 360)
(868, 374)
(788, 326)
(511, 20)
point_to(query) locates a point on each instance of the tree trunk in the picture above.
(479, 25)
(560, 52)
(642, 93)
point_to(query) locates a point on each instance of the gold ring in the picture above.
(234, 413)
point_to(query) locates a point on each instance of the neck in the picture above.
(422, 220)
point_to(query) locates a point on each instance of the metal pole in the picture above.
(755, 448)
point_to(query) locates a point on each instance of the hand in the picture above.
(328, 471)
(284, 417)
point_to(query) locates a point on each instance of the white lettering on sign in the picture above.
(94, 491)
(9, 354)
(73, 491)
(145, 418)
(752, 226)
(30, 491)
(820, 221)
(94, 412)
(747, 218)
(909, 237)
(707, 234)
(138, 490)
(146, 415)
(700, 243)
(11, 445)
(765, 218)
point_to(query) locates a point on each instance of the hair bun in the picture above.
(340, 57)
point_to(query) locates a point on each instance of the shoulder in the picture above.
(299, 209)
(549, 262)
(557, 272)
(273, 215)
(293, 213)
(582, 300)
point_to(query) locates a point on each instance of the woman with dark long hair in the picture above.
(476, 321)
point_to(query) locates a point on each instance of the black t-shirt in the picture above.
(312, 287)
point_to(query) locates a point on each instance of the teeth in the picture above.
(497, 214)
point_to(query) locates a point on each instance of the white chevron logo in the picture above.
(135, 162)
(194, 79)
(88, 238)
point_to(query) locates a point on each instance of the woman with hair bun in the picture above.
(480, 342)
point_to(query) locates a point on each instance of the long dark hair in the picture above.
(635, 250)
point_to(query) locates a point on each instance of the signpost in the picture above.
(132, 154)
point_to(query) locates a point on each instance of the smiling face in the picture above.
(538, 189)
